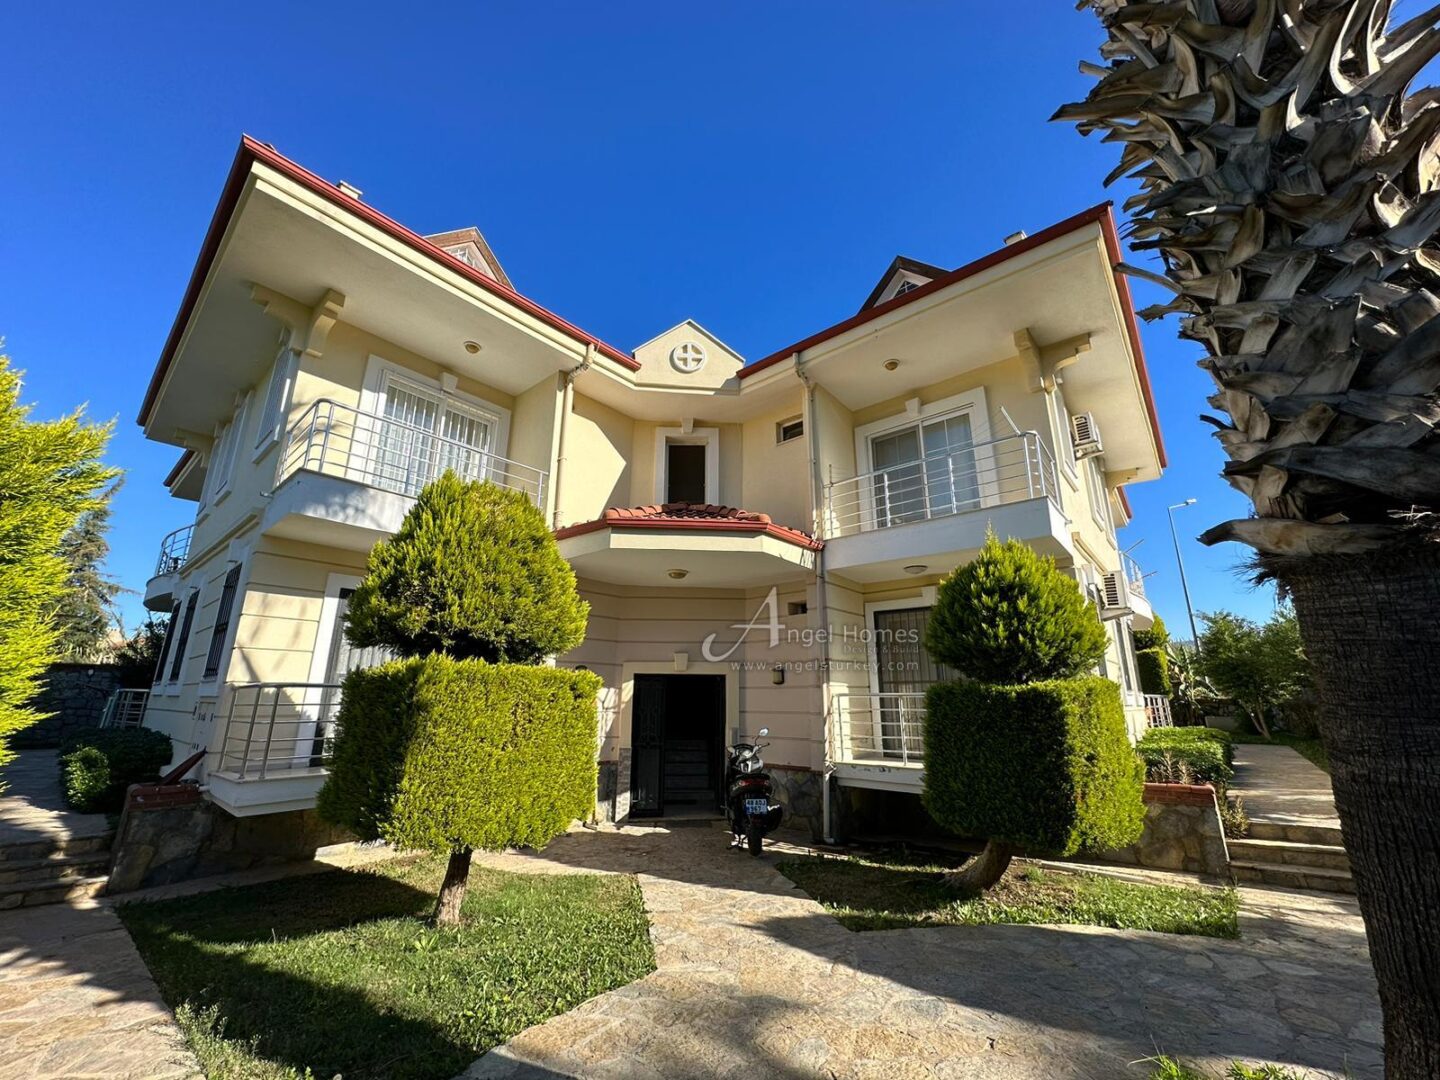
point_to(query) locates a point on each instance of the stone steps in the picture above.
(61, 868)
(1291, 876)
(1326, 835)
(1288, 853)
(54, 870)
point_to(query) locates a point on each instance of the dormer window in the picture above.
(466, 254)
(907, 286)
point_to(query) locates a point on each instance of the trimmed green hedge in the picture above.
(96, 766)
(1206, 752)
(1046, 766)
(1154, 668)
(441, 754)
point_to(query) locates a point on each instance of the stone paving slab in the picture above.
(31, 805)
(1281, 786)
(76, 1001)
(754, 979)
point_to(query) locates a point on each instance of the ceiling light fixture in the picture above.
(472, 347)
(916, 568)
(891, 365)
(678, 574)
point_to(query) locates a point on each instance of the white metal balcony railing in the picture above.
(1157, 711)
(1134, 576)
(878, 729)
(1013, 469)
(125, 709)
(278, 728)
(337, 440)
(174, 550)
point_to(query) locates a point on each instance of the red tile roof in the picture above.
(681, 515)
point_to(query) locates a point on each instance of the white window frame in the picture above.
(226, 451)
(1064, 436)
(1098, 495)
(781, 425)
(379, 373)
(706, 437)
(898, 282)
(325, 635)
(275, 409)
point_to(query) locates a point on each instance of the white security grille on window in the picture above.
(688, 357)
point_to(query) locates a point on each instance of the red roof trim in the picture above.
(1125, 502)
(1101, 214)
(697, 518)
(179, 467)
(250, 151)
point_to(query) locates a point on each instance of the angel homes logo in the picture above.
(767, 620)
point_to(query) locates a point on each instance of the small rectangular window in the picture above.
(272, 419)
(222, 623)
(789, 430)
(685, 473)
(177, 659)
(165, 645)
(797, 607)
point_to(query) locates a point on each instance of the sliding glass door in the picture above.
(924, 470)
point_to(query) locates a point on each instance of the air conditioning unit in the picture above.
(1085, 436)
(1114, 596)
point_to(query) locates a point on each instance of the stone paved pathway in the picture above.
(76, 1000)
(1281, 786)
(755, 980)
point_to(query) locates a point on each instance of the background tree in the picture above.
(50, 473)
(138, 657)
(1290, 183)
(469, 744)
(86, 613)
(1261, 667)
(1190, 690)
(1027, 752)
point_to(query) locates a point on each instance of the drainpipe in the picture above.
(817, 496)
(566, 404)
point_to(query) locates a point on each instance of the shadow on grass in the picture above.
(339, 973)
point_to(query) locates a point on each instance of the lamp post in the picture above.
(1184, 585)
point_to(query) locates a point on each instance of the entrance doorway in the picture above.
(677, 742)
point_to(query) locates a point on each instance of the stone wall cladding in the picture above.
(171, 835)
(75, 696)
(1182, 832)
(800, 792)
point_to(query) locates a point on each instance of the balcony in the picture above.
(174, 552)
(935, 511)
(1140, 608)
(878, 740)
(347, 478)
(273, 746)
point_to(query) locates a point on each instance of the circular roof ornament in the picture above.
(688, 357)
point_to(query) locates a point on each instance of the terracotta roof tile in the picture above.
(691, 515)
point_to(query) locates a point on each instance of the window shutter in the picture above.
(222, 623)
(177, 661)
(165, 645)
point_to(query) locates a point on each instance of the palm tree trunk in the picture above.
(1371, 625)
(984, 870)
(452, 889)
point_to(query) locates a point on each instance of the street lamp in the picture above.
(1184, 585)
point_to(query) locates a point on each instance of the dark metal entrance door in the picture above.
(677, 736)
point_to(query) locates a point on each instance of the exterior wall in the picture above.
(776, 476)
(599, 450)
(74, 695)
(644, 484)
(1183, 831)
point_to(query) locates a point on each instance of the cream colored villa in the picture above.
(759, 541)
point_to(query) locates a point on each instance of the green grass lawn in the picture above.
(339, 973)
(890, 893)
(1169, 1069)
(1307, 748)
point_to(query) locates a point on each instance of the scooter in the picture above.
(748, 791)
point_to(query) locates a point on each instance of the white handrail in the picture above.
(1010, 469)
(278, 728)
(1157, 711)
(338, 440)
(879, 728)
(174, 551)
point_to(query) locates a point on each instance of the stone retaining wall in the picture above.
(800, 792)
(75, 695)
(169, 833)
(1182, 832)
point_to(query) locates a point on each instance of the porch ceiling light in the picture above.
(891, 364)
(678, 574)
(916, 568)
(472, 347)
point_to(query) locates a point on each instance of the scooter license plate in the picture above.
(757, 807)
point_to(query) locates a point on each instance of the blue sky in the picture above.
(754, 167)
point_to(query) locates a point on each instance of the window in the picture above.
(227, 439)
(906, 286)
(789, 430)
(1119, 632)
(685, 472)
(165, 645)
(426, 431)
(1064, 437)
(924, 470)
(272, 419)
(1095, 489)
(222, 623)
(177, 660)
(797, 607)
